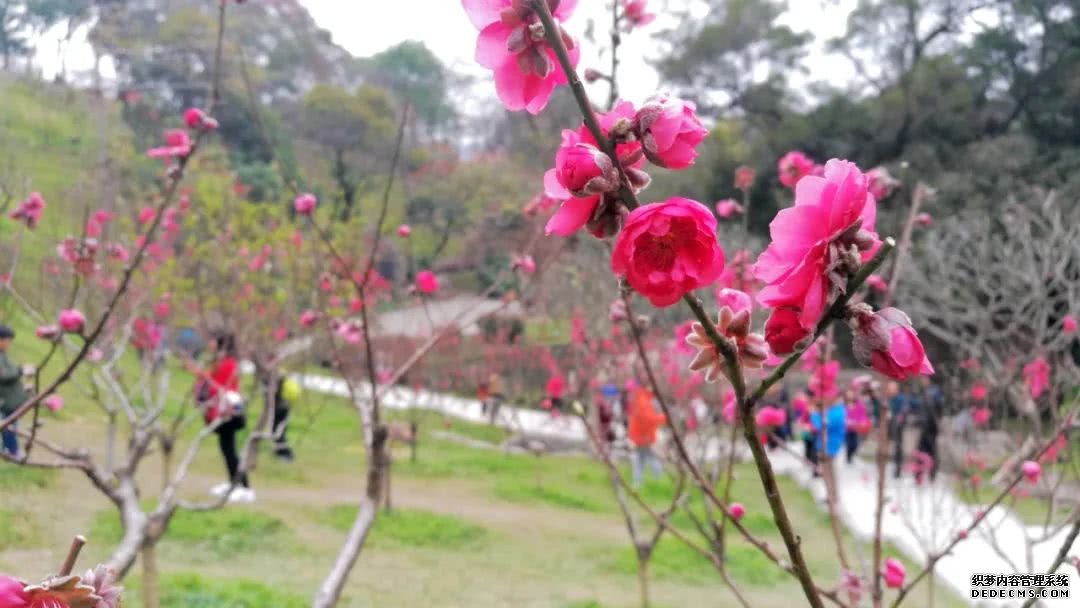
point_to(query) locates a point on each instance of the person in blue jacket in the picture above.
(835, 427)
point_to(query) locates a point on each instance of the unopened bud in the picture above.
(592, 75)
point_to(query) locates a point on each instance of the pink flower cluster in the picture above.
(29, 211)
(512, 44)
(886, 341)
(668, 249)
(830, 230)
(636, 14)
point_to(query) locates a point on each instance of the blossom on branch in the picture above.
(667, 249)
(819, 242)
(511, 44)
(29, 211)
(636, 14)
(794, 166)
(670, 132)
(886, 341)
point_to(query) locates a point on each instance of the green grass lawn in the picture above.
(469, 527)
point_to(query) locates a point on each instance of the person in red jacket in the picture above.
(216, 394)
(642, 423)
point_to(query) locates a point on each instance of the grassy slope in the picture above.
(472, 527)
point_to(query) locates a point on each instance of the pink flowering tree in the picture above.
(822, 250)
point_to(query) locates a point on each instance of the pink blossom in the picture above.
(404, 231)
(961, 534)
(769, 417)
(736, 511)
(308, 318)
(177, 144)
(117, 252)
(146, 214)
(577, 329)
(734, 328)
(978, 391)
(668, 249)
(670, 132)
(783, 331)
(893, 573)
(636, 13)
(970, 364)
(349, 332)
(103, 580)
(426, 282)
(71, 320)
(47, 332)
(886, 341)
(852, 586)
(572, 173)
(728, 207)
(1031, 470)
(744, 178)
(980, 416)
(29, 211)
(727, 411)
(832, 221)
(793, 167)
(512, 45)
(822, 381)
(1068, 324)
(877, 283)
(296, 239)
(924, 219)
(12, 593)
(280, 333)
(304, 204)
(882, 183)
(734, 299)
(524, 262)
(1037, 376)
(195, 118)
(54, 402)
(94, 355)
(617, 310)
(356, 304)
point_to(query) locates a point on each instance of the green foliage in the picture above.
(190, 590)
(224, 532)
(411, 528)
(530, 490)
(15, 478)
(17, 528)
(416, 75)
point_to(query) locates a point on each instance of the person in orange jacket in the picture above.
(643, 422)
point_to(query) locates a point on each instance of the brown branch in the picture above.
(1063, 553)
(934, 558)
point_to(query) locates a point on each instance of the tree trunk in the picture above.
(643, 578)
(134, 523)
(150, 575)
(330, 591)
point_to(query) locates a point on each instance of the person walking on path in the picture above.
(899, 408)
(857, 424)
(496, 396)
(554, 390)
(221, 404)
(286, 393)
(12, 391)
(643, 422)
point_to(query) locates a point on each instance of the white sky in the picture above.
(444, 28)
(442, 25)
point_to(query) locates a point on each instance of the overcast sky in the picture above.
(444, 28)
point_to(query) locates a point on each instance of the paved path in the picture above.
(915, 516)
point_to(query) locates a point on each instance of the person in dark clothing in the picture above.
(12, 392)
(284, 394)
(928, 425)
(899, 406)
